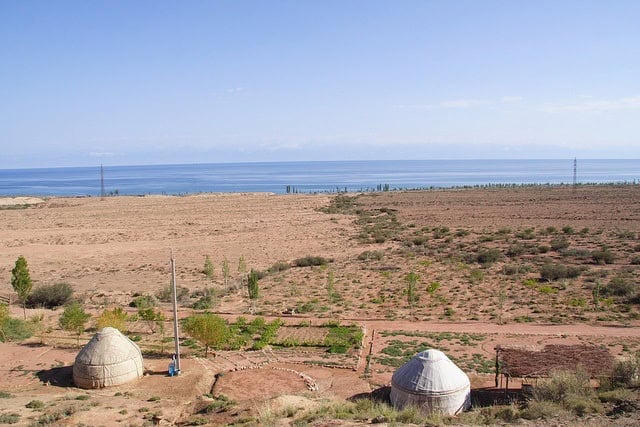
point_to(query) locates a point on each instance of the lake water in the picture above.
(309, 176)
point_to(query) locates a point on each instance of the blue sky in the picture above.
(144, 82)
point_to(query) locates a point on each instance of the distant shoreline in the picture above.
(8, 201)
(312, 177)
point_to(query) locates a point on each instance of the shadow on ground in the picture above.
(59, 377)
(378, 395)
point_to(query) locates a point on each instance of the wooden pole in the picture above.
(175, 313)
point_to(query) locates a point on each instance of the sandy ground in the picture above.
(110, 249)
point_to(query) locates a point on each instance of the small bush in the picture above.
(144, 301)
(50, 296)
(221, 404)
(516, 250)
(511, 269)
(5, 395)
(577, 253)
(619, 286)
(310, 261)
(278, 266)
(488, 256)
(567, 229)
(626, 373)
(165, 294)
(35, 404)
(559, 244)
(540, 410)
(582, 406)
(563, 385)
(603, 256)
(371, 255)
(550, 272)
(9, 418)
(205, 302)
(617, 396)
(116, 318)
(15, 329)
(635, 260)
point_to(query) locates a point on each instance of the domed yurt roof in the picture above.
(108, 359)
(431, 380)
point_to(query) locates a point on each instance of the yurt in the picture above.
(432, 382)
(108, 359)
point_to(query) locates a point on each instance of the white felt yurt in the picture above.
(432, 382)
(108, 359)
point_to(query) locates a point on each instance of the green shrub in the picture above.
(15, 329)
(577, 253)
(488, 256)
(310, 261)
(11, 418)
(50, 296)
(35, 404)
(582, 406)
(515, 250)
(5, 395)
(166, 294)
(635, 260)
(562, 385)
(603, 256)
(559, 244)
(543, 249)
(278, 266)
(619, 286)
(143, 301)
(540, 410)
(116, 318)
(550, 272)
(617, 396)
(205, 302)
(221, 404)
(371, 255)
(626, 373)
(567, 229)
(208, 269)
(511, 269)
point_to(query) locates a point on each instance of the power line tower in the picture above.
(575, 169)
(101, 182)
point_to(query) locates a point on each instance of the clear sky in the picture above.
(144, 82)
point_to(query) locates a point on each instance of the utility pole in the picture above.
(175, 313)
(575, 169)
(101, 182)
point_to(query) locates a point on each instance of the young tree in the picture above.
(225, 271)
(596, 296)
(209, 269)
(411, 279)
(116, 318)
(40, 329)
(242, 269)
(21, 282)
(74, 319)
(152, 316)
(210, 330)
(252, 287)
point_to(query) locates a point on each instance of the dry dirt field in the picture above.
(523, 266)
